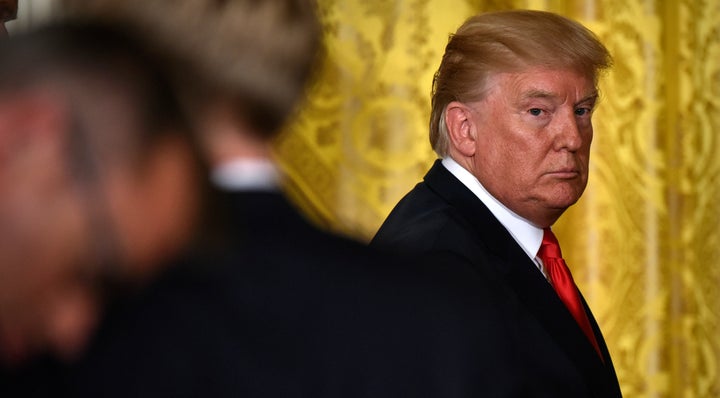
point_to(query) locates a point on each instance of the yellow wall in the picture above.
(643, 243)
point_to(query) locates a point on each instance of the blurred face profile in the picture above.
(43, 297)
(8, 12)
(98, 182)
(65, 240)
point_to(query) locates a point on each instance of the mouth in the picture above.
(564, 174)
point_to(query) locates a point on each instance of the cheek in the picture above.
(587, 139)
(584, 152)
(526, 155)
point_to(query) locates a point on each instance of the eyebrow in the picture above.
(593, 96)
(537, 94)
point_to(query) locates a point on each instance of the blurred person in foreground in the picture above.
(512, 104)
(8, 12)
(277, 307)
(99, 185)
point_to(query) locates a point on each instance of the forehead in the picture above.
(540, 82)
(8, 10)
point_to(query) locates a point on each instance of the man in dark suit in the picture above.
(268, 305)
(282, 309)
(511, 119)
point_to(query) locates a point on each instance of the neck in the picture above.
(226, 137)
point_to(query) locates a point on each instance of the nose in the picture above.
(569, 135)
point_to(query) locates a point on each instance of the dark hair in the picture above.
(99, 70)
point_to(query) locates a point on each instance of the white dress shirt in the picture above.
(527, 235)
(247, 174)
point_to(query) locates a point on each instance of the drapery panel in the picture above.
(643, 242)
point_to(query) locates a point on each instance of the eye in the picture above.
(535, 111)
(582, 111)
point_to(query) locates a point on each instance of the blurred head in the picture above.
(253, 57)
(97, 180)
(8, 12)
(512, 103)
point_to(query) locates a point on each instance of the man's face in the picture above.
(8, 12)
(45, 298)
(65, 238)
(533, 140)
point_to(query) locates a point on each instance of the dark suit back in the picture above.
(290, 311)
(529, 340)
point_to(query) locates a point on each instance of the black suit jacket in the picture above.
(531, 340)
(282, 309)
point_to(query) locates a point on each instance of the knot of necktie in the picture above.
(549, 248)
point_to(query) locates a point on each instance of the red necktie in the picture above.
(563, 283)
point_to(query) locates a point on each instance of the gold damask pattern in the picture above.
(361, 141)
(643, 242)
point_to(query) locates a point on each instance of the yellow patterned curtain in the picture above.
(643, 242)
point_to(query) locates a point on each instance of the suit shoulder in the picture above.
(421, 222)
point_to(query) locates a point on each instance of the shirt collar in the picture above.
(247, 174)
(528, 236)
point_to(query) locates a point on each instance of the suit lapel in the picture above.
(521, 275)
(601, 342)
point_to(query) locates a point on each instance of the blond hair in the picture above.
(508, 41)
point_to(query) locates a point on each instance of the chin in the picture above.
(566, 196)
(560, 205)
(564, 204)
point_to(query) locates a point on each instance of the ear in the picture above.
(155, 206)
(461, 129)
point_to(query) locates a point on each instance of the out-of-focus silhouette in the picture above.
(276, 307)
(99, 182)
